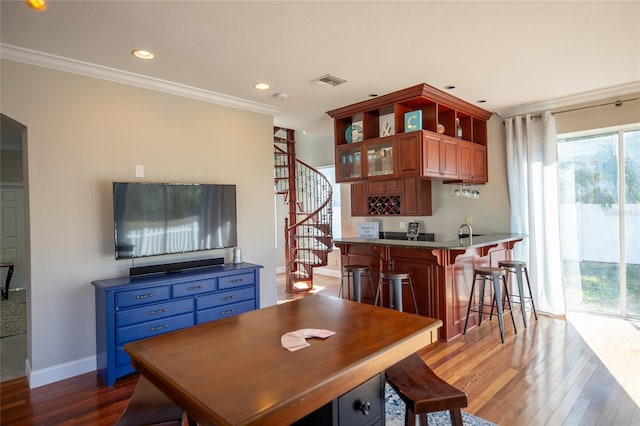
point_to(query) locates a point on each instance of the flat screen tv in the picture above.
(152, 219)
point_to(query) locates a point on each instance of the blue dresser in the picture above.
(133, 308)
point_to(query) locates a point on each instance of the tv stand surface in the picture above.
(133, 308)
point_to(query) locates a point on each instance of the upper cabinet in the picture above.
(416, 132)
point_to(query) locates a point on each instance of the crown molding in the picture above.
(61, 63)
(581, 98)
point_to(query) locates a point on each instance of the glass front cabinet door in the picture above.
(379, 154)
(349, 162)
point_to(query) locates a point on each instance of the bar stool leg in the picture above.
(497, 297)
(357, 291)
(395, 294)
(413, 294)
(521, 293)
(533, 306)
(466, 320)
(481, 303)
(508, 298)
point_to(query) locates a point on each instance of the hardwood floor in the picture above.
(545, 375)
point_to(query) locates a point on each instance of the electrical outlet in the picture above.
(468, 220)
(403, 225)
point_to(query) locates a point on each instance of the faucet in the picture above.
(465, 225)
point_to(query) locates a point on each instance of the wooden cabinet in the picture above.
(398, 197)
(472, 162)
(133, 308)
(382, 120)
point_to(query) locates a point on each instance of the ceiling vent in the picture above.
(328, 80)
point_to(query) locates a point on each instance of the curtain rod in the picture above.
(616, 103)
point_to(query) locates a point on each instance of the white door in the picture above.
(12, 232)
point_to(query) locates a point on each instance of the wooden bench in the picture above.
(424, 392)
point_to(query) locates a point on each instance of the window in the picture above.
(599, 190)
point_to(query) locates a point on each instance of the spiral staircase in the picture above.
(307, 227)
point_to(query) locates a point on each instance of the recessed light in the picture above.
(143, 54)
(449, 87)
(373, 95)
(261, 86)
(481, 101)
(38, 5)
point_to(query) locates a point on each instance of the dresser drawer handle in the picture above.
(197, 287)
(363, 407)
(226, 297)
(227, 312)
(159, 311)
(143, 296)
(160, 327)
(237, 280)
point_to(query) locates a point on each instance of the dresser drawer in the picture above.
(126, 317)
(232, 281)
(153, 328)
(224, 298)
(370, 392)
(142, 296)
(194, 287)
(225, 311)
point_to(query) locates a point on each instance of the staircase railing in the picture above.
(307, 229)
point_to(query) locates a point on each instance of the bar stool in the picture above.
(493, 275)
(396, 280)
(423, 392)
(516, 267)
(356, 272)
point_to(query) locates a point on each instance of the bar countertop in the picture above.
(456, 244)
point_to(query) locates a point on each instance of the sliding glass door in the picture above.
(599, 179)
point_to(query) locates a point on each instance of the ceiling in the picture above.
(518, 56)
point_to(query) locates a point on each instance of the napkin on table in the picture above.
(294, 340)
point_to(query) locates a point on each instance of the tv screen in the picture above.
(152, 219)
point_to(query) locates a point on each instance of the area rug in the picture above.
(394, 413)
(13, 314)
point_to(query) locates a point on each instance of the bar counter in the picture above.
(442, 271)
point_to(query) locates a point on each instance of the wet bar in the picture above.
(442, 271)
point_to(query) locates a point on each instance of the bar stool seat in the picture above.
(396, 280)
(356, 273)
(424, 392)
(493, 275)
(517, 267)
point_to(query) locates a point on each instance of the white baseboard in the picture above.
(59, 372)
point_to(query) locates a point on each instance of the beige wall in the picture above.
(85, 133)
(598, 117)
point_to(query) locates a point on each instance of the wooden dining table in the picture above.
(234, 371)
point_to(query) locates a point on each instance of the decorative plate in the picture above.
(353, 133)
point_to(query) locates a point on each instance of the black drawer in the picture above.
(143, 296)
(224, 298)
(194, 287)
(153, 328)
(126, 317)
(232, 281)
(225, 311)
(350, 405)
